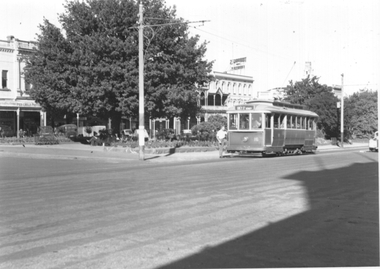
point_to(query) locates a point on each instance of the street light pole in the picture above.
(141, 76)
(141, 86)
(341, 114)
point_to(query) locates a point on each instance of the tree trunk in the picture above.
(115, 124)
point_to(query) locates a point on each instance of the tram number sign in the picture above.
(245, 107)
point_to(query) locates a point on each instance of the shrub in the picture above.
(165, 134)
(205, 131)
(218, 121)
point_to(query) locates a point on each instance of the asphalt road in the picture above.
(314, 210)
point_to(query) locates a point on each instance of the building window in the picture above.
(203, 99)
(4, 79)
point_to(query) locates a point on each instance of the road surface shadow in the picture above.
(340, 229)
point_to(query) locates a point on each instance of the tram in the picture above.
(270, 127)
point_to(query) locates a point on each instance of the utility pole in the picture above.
(141, 76)
(341, 114)
(141, 85)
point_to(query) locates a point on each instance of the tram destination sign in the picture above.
(245, 107)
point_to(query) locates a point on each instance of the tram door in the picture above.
(278, 130)
(268, 123)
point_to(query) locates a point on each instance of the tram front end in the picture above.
(245, 142)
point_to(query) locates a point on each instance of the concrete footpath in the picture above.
(84, 151)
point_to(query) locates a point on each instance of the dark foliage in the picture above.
(92, 68)
(317, 98)
(361, 114)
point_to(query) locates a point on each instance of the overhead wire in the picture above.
(289, 72)
(268, 53)
(241, 44)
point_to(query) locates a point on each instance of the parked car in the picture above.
(373, 143)
(127, 134)
(68, 130)
(45, 136)
(85, 131)
(97, 128)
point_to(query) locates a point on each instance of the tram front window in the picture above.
(244, 121)
(232, 121)
(256, 121)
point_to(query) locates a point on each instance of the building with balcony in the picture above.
(17, 109)
(225, 91)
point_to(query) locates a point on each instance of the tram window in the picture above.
(303, 121)
(310, 124)
(256, 121)
(276, 121)
(232, 121)
(244, 121)
(267, 120)
(298, 122)
(289, 122)
(282, 121)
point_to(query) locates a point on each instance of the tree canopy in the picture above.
(91, 65)
(360, 109)
(49, 72)
(361, 114)
(317, 98)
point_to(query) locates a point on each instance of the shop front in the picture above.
(21, 117)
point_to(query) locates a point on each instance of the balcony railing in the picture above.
(26, 45)
(4, 43)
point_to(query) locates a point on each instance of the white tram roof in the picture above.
(273, 107)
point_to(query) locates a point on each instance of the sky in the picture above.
(340, 38)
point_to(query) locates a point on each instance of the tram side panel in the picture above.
(310, 140)
(279, 138)
(294, 138)
(245, 141)
(268, 137)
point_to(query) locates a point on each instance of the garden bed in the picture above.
(30, 140)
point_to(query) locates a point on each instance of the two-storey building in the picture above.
(226, 90)
(17, 109)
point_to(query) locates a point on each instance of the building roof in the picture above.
(228, 76)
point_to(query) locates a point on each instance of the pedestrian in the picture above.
(221, 136)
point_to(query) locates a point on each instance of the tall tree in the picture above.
(48, 70)
(101, 62)
(361, 114)
(317, 98)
